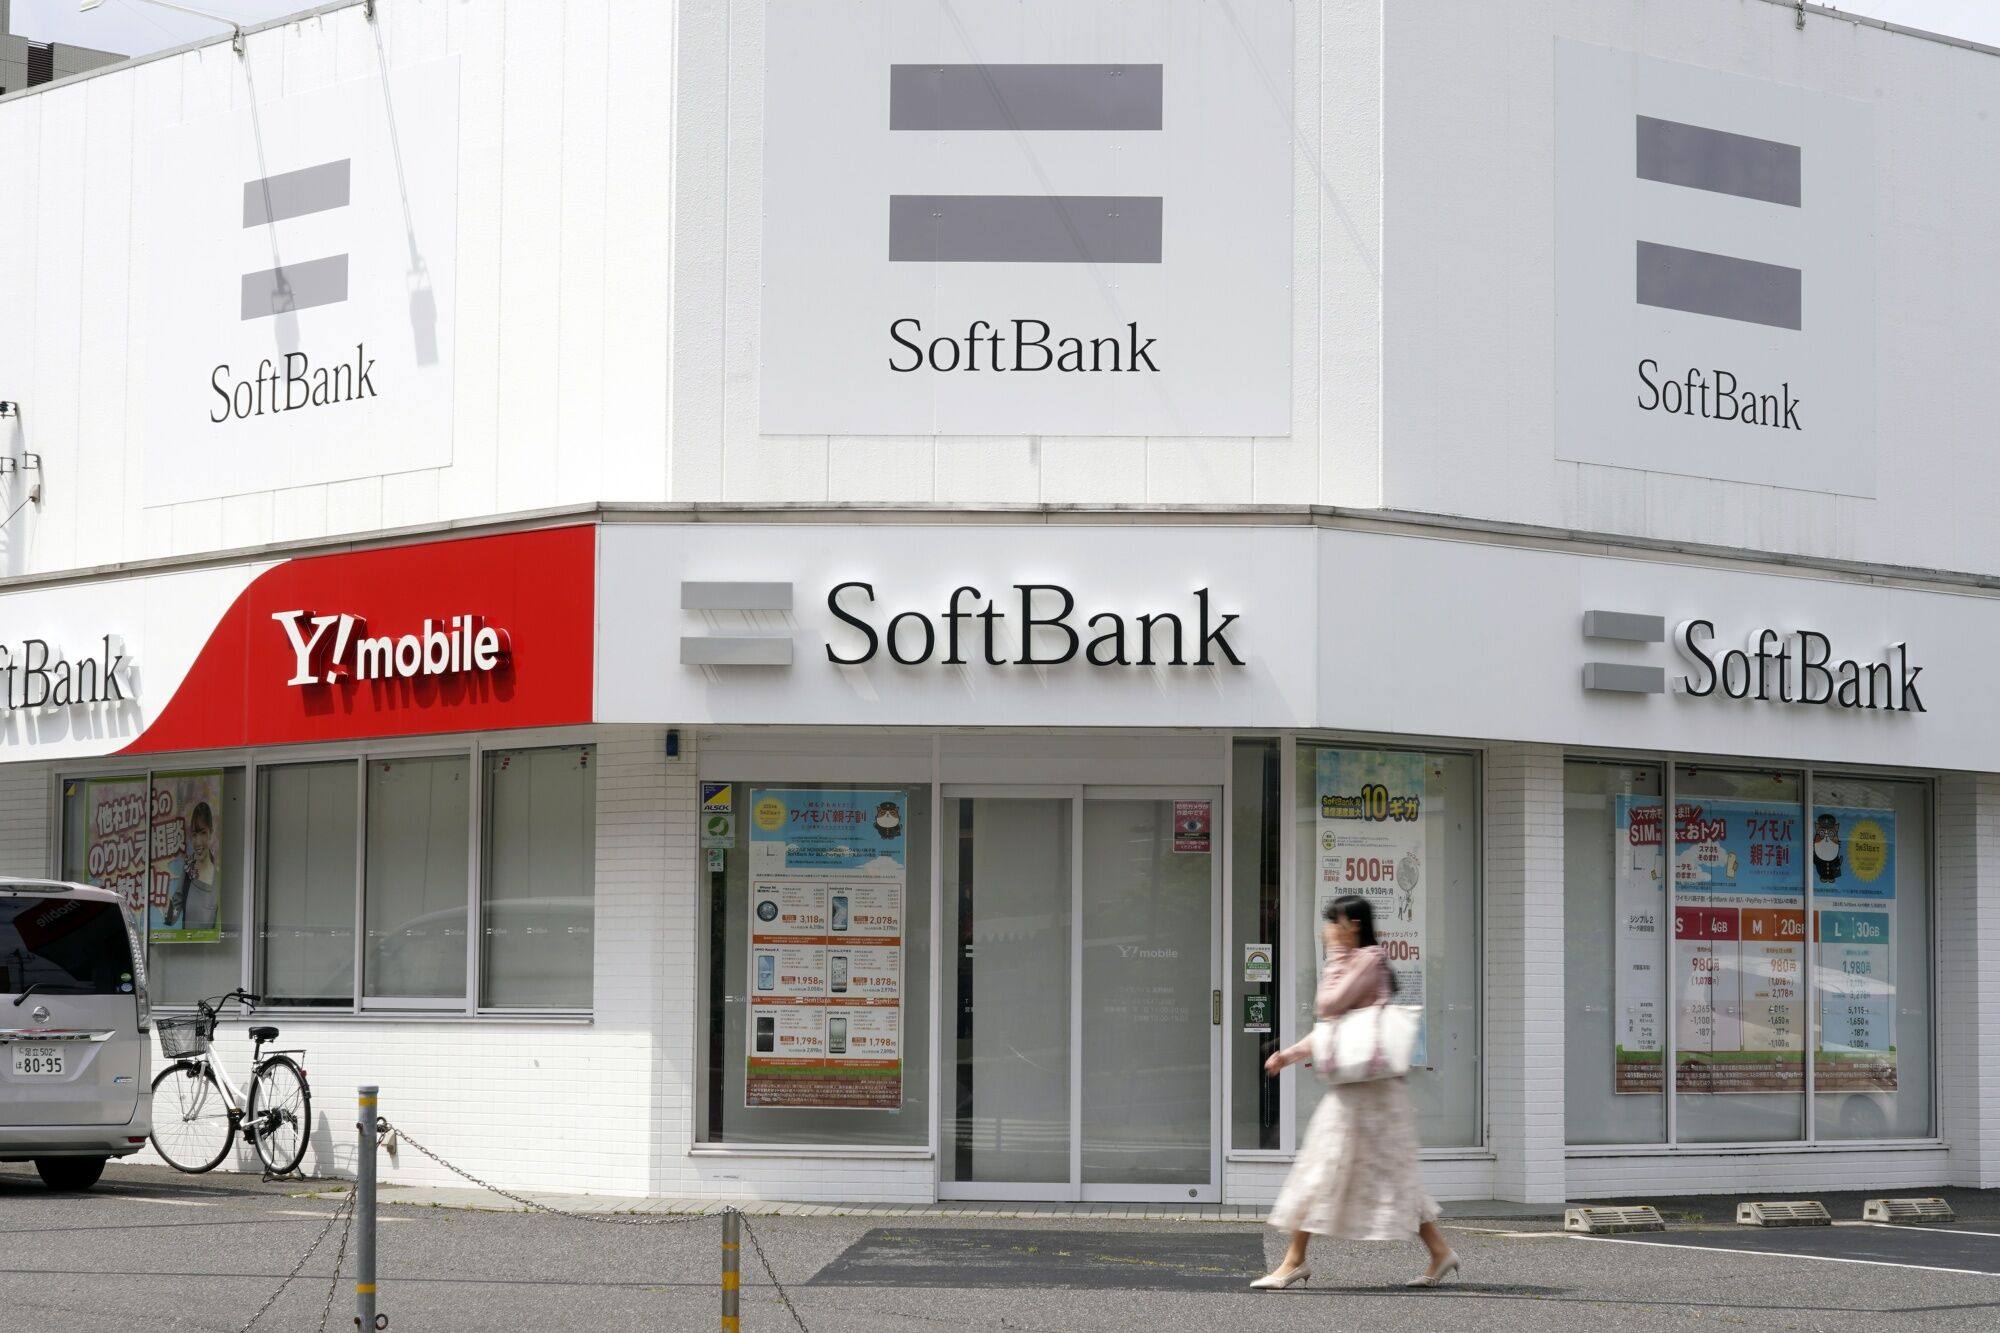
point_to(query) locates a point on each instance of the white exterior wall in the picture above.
(1524, 970)
(1331, 455)
(562, 273)
(1469, 319)
(1968, 911)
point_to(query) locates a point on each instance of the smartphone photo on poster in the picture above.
(767, 972)
(767, 1034)
(839, 973)
(840, 911)
(836, 1036)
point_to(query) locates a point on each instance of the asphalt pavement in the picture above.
(149, 1249)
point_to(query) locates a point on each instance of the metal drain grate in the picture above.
(1791, 1213)
(1906, 1210)
(1598, 1220)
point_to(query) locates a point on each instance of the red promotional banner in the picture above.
(467, 635)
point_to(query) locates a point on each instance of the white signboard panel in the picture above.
(294, 310)
(1064, 217)
(1715, 260)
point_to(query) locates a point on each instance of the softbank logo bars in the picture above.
(1701, 282)
(736, 649)
(1011, 228)
(295, 194)
(293, 381)
(1774, 666)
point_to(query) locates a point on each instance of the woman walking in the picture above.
(1356, 1174)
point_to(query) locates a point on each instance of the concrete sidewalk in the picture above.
(473, 1197)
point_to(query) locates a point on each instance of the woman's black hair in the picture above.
(1350, 907)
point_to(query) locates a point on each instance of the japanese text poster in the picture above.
(1371, 845)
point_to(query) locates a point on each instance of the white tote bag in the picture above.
(1366, 1044)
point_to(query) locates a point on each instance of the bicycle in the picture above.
(197, 1109)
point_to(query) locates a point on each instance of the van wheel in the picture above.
(69, 1173)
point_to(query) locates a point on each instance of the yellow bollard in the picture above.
(732, 1276)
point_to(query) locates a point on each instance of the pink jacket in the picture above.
(1352, 979)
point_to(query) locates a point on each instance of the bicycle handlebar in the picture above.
(212, 1007)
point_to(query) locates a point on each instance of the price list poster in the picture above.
(1739, 943)
(828, 872)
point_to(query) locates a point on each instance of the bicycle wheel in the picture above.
(280, 1116)
(192, 1127)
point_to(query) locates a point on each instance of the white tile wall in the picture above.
(1524, 969)
(1968, 910)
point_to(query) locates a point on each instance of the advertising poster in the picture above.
(184, 898)
(828, 871)
(115, 848)
(1739, 946)
(1640, 896)
(1371, 844)
(1854, 906)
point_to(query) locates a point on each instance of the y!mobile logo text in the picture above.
(329, 648)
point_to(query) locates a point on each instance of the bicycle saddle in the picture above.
(264, 1034)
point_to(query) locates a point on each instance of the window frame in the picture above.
(473, 749)
(1290, 886)
(1671, 761)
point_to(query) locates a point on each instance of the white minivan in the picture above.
(75, 1031)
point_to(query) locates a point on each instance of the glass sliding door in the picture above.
(1148, 1105)
(1081, 1057)
(1007, 901)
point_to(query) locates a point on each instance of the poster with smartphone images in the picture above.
(828, 871)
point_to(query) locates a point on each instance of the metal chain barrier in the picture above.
(535, 1206)
(784, 1297)
(612, 1219)
(344, 1209)
(339, 1257)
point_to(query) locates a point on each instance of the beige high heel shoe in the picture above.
(1446, 1270)
(1279, 1279)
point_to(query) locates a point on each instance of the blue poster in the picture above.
(857, 831)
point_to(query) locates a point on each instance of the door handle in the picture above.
(1215, 1008)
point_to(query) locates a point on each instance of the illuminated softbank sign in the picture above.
(1774, 666)
(37, 674)
(1022, 624)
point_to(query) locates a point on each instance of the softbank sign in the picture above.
(331, 648)
(1773, 666)
(297, 301)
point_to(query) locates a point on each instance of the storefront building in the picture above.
(682, 729)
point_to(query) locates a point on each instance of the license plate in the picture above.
(38, 1061)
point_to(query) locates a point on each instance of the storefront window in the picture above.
(1614, 912)
(418, 851)
(1871, 860)
(306, 881)
(1401, 829)
(539, 864)
(1738, 956)
(1251, 1017)
(174, 846)
(816, 909)
(1755, 861)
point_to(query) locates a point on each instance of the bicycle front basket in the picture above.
(181, 1037)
